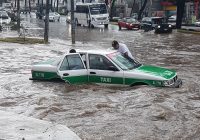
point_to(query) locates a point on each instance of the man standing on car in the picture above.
(123, 49)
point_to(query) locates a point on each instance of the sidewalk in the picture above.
(190, 29)
(19, 127)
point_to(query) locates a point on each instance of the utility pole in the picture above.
(46, 29)
(72, 22)
(18, 15)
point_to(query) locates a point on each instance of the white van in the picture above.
(91, 14)
(4, 18)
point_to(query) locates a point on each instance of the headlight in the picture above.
(131, 24)
(159, 26)
(170, 26)
(165, 83)
(168, 82)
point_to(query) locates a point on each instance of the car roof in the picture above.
(156, 17)
(152, 18)
(103, 52)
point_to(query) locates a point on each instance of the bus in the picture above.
(91, 14)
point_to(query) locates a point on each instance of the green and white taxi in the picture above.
(104, 67)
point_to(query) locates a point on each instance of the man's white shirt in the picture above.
(123, 49)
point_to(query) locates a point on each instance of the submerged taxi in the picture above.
(104, 67)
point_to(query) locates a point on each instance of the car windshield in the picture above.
(158, 20)
(123, 62)
(98, 9)
(3, 15)
(51, 14)
(131, 20)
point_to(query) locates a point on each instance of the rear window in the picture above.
(72, 62)
(131, 20)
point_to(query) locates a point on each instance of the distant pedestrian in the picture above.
(123, 49)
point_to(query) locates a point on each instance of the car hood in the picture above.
(52, 61)
(157, 71)
(133, 22)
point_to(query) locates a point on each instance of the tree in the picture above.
(15, 3)
(132, 7)
(25, 5)
(111, 8)
(180, 11)
(142, 9)
(18, 15)
(51, 5)
(57, 6)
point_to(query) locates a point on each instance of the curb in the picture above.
(26, 128)
(189, 31)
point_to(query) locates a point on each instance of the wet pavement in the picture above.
(101, 112)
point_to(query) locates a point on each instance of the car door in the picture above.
(124, 23)
(72, 69)
(102, 70)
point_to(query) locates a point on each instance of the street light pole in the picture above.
(72, 22)
(46, 30)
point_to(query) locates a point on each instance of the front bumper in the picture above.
(178, 83)
(134, 27)
(96, 23)
(163, 30)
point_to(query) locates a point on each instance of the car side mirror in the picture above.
(112, 68)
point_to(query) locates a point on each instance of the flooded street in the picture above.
(96, 112)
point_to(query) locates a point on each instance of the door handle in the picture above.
(65, 74)
(92, 72)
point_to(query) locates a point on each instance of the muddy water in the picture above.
(109, 113)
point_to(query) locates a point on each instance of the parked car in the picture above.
(104, 67)
(172, 18)
(4, 18)
(128, 23)
(197, 23)
(53, 16)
